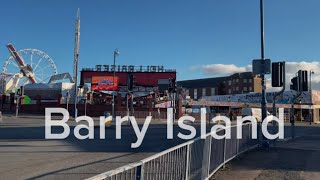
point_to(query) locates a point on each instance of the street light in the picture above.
(310, 93)
(115, 54)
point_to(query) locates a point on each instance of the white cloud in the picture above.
(221, 69)
(291, 69)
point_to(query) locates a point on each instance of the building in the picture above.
(145, 78)
(237, 83)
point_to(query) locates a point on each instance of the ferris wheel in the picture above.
(26, 66)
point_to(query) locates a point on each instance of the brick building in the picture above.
(237, 83)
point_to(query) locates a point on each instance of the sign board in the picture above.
(261, 66)
(104, 83)
(129, 68)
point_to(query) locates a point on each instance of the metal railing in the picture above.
(196, 159)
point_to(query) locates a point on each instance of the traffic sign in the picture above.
(260, 66)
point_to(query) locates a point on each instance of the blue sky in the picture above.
(179, 34)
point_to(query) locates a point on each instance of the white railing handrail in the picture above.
(115, 171)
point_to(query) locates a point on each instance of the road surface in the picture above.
(25, 154)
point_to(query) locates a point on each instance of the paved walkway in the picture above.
(293, 160)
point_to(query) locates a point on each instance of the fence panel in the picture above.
(194, 160)
(231, 144)
(217, 152)
(170, 165)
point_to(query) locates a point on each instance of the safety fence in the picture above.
(196, 159)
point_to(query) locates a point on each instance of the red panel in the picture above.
(104, 83)
(141, 78)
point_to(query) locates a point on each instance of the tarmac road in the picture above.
(25, 154)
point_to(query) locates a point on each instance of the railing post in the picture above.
(141, 170)
(238, 142)
(188, 162)
(209, 155)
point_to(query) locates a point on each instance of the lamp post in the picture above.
(115, 54)
(263, 84)
(310, 92)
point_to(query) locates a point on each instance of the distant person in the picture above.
(231, 116)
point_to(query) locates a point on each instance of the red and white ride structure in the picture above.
(26, 66)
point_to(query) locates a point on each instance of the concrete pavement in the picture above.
(297, 159)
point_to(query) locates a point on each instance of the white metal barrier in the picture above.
(196, 159)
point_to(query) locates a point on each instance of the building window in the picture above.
(250, 80)
(195, 93)
(237, 88)
(229, 91)
(213, 91)
(245, 80)
(204, 92)
(245, 89)
(237, 80)
(250, 88)
(229, 82)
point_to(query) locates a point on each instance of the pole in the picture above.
(2, 81)
(85, 107)
(131, 104)
(300, 112)
(310, 93)
(174, 106)
(68, 100)
(292, 108)
(67, 103)
(17, 107)
(128, 108)
(76, 60)
(114, 74)
(274, 109)
(263, 92)
(75, 101)
(292, 114)
(229, 109)
(115, 53)
(127, 103)
(229, 113)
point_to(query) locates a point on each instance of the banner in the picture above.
(104, 83)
